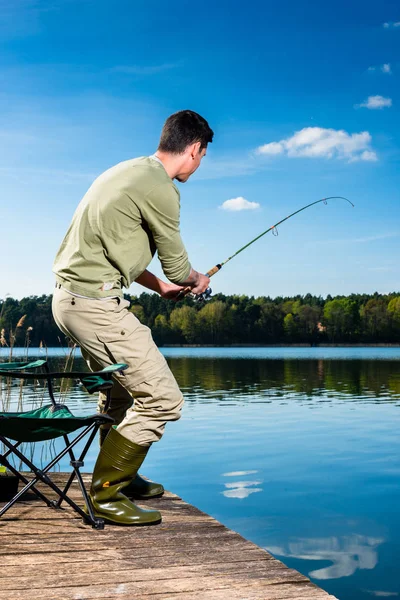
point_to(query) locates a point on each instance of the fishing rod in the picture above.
(207, 294)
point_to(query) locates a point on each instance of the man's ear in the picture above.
(195, 149)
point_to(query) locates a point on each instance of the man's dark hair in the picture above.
(183, 128)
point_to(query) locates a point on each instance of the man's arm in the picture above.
(195, 281)
(151, 282)
(161, 212)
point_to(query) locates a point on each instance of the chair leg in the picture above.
(41, 475)
(12, 448)
(24, 480)
(77, 464)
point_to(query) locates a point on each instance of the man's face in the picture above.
(192, 163)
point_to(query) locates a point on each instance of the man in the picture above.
(130, 212)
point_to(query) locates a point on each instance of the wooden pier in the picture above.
(48, 554)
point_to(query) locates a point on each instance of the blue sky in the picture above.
(304, 101)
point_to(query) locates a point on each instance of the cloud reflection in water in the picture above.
(347, 553)
(240, 489)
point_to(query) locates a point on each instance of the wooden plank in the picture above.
(94, 561)
(239, 592)
(38, 511)
(51, 527)
(125, 572)
(124, 544)
(135, 535)
(168, 588)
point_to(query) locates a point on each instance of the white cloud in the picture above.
(317, 142)
(369, 155)
(272, 148)
(385, 68)
(391, 25)
(375, 102)
(236, 204)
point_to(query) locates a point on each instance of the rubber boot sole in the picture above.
(111, 522)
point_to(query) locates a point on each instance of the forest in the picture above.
(227, 320)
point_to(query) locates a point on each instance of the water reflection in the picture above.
(347, 554)
(299, 456)
(381, 594)
(241, 489)
(235, 380)
(238, 473)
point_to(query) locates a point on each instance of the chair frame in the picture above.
(40, 475)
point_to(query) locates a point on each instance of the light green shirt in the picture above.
(129, 212)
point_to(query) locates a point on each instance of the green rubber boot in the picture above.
(116, 466)
(138, 488)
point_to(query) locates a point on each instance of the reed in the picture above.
(21, 395)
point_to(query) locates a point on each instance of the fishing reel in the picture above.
(204, 296)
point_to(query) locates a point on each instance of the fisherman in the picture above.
(128, 214)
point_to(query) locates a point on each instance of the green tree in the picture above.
(162, 331)
(340, 319)
(308, 318)
(138, 311)
(269, 324)
(184, 320)
(290, 327)
(375, 319)
(393, 310)
(214, 323)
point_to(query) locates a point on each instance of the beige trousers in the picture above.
(146, 396)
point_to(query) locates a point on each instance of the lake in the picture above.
(297, 449)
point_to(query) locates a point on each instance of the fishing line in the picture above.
(205, 295)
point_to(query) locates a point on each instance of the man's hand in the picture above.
(170, 291)
(196, 282)
(201, 284)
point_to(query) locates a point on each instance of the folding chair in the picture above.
(52, 421)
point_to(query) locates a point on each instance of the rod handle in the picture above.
(187, 290)
(214, 270)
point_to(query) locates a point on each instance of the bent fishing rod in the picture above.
(207, 294)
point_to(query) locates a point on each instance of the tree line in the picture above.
(258, 378)
(234, 319)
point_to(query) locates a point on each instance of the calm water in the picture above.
(297, 449)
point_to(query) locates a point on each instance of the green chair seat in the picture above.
(98, 382)
(44, 423)
(53, 421)
(21, 366)
(93, 382)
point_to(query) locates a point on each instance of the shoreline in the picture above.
(343, 345)
(299, 345)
